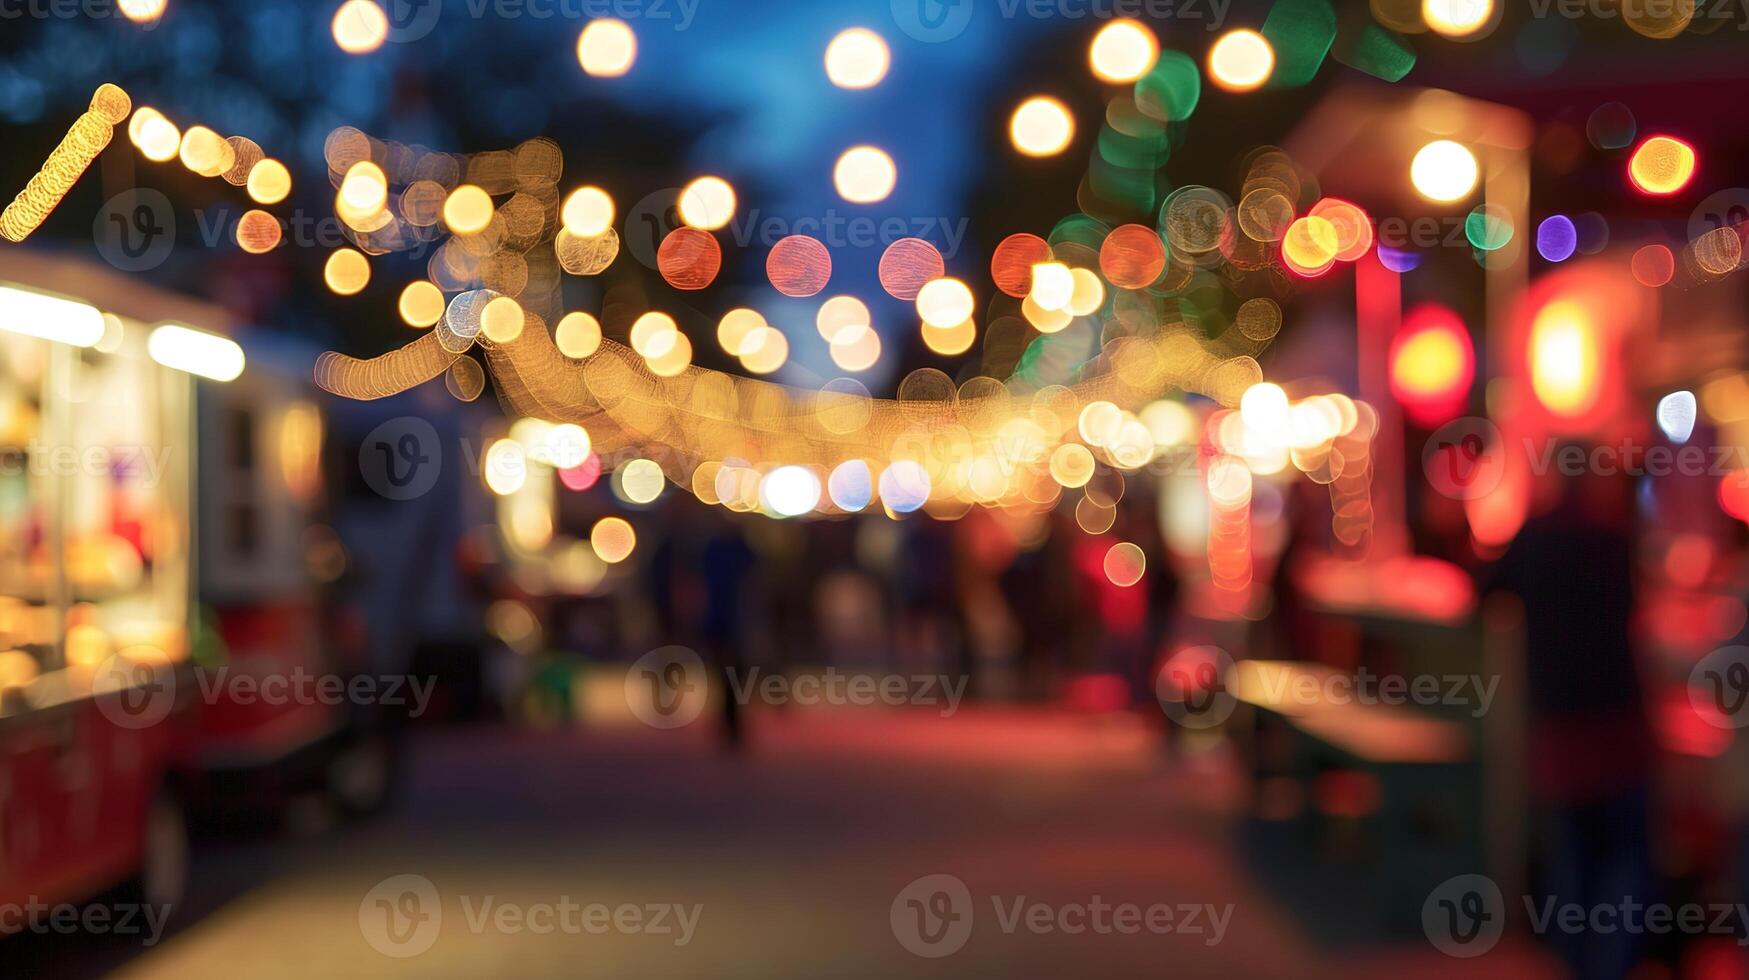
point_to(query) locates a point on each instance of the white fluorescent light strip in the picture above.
(183, 348)
(35, 314)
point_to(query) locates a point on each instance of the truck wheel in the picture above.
(162, 881)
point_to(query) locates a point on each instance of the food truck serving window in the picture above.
(93, 483)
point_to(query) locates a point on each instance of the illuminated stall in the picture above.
(95, 564)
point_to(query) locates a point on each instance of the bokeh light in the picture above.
(1241, 61)
(347, 271)
(1653, 265)
(790, 491)
(360, 26)
(467, 210)
(269, 182)
(907, 264)
(857, 58)
(1444, 171)
(259, 232)
(578, 335)
(864, 175)
(1556, 238)
(141, 11)
(612, 539)
(1564, 359)
(707, 203)
(640, 481)
(1122, 52)
(1124, 564)
(798, 266)
(1457, 19)
(156, 137)
(502, 319)
(1041, 127)
(1661, 165)
(607, 48)
(587, 212)
(945, 302)
(421, 304)
(1432, 364)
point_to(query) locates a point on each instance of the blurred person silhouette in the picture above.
(697, 587)
(728, 563)
(1590, 742)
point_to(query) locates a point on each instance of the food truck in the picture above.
(170, 582)
(96, 584)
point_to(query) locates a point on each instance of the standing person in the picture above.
(1591, 750)
(728, 563)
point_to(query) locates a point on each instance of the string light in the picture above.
(87, 137)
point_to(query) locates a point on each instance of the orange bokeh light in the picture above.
(1433, 364)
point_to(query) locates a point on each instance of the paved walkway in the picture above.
(1069, 834)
